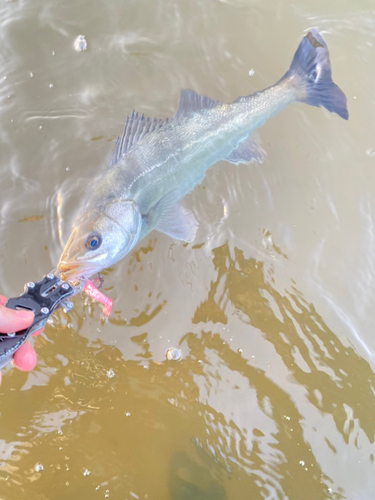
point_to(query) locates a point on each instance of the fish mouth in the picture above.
(80, 267)
(75, 270)
(68, 271)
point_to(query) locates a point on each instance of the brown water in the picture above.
(271, 307)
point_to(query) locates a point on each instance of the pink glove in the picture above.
(13, 321)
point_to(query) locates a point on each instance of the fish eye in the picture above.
(93, 241)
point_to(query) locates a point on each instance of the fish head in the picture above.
(100, 238)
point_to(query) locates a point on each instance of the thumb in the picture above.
(13, 321)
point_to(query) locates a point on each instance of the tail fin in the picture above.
(312, 65)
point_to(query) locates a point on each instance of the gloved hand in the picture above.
(13, 321)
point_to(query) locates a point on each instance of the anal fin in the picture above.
(248, 151)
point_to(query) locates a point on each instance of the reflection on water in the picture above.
(313, 354)
(214, 425)
(270, 310)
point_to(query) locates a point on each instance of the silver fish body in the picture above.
(174, 158)
(155, 164)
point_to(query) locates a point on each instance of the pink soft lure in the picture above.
(91, 290)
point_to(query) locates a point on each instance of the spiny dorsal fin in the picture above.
(191, 102)
(135, 128)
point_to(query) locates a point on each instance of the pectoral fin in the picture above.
(248, 151)
(175, 221)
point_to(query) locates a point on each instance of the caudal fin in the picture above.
(312, 66)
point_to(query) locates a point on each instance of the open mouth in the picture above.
(75, 270)
(68, 272)
(71, 270)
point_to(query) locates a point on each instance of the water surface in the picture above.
(271, 306)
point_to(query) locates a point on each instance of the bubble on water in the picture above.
(173, 354)
(53, 52)
(240, 350)
(251, 72)
(301, 462)
(110, 373)
(370, 152)
(80, 43)
(86, 472)
(40, 127)
(127, 414)
(51, 85)
(38, 467)
(31, 74)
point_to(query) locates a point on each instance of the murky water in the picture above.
(271, 307)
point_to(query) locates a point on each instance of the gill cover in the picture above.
(127, 216)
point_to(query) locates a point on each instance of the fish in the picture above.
(157, 162)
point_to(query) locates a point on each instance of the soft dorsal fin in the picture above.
(191, 102)
(135, 128)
